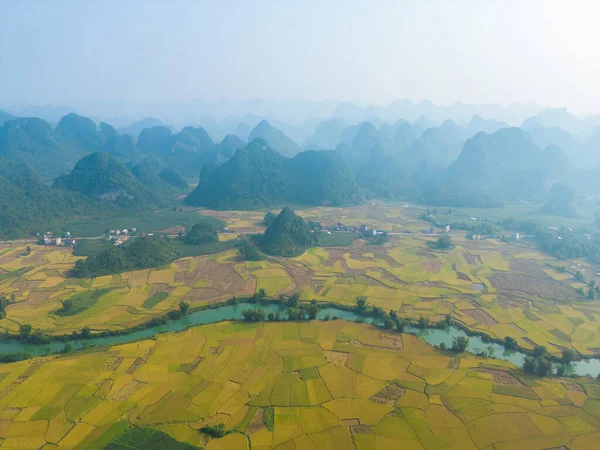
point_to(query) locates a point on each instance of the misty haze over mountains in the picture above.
(281, 152)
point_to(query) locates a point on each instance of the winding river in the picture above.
(234, 312)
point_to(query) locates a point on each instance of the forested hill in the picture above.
(288, 235)
(494, 169)
(103, 177)
(28, 205)
(258, 176)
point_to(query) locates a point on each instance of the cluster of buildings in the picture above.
(119, 236)
(65, 240)
(431, 230)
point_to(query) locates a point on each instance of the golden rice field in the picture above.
(311, 385)
(502, 289)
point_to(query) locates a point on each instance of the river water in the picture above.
(234, 312)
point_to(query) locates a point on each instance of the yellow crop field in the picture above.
(316, 398)
(497, 288)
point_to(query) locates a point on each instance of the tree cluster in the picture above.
(201, 233)
(138, 253)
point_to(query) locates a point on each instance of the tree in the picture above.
(37, 337)
(544, 367)
(295, 313)
(378, 311)
(361, 303)
(388, 324)
(217, 431)
(262, 295)
(399, 326)
(67, 348)
(567, 356)
(443, 243)
(271, 317)
(530, 365)
(460, 344)
(86, 333)
(25, 331)
(510, 343)
(201, 233)
(539, 351)
(184, 307)
(311, 311)
(423, 322)
(67, 304)
(253, 315)
(293, 300)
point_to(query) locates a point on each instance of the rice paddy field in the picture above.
(310, 385)
(501, 289)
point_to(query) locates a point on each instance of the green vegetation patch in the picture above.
(268, 417)
(561, 335)
(14, 273)
(184, 250)
(138, 253)
(309, 373)
(146, 222)
(104, 435)
(530, 315)
(88, 247)
(81, 302)
(154, 299)
(337, 238)
(515, 391)
(146, 439)
(46, 413)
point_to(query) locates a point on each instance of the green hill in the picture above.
(103, 177)
(34, 142)
(5, 117)
(258, 176)
(193, 139)
(185, 152)
(28, 205)
(494, 169)
(164, 183)
(288, 235)
(80, 131)
(172, 178)
(275, 138)
(137, 253)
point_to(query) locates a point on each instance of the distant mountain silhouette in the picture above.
(276, 139)
(258, 176)
(496, 168)
(4, 116)
(103, 177)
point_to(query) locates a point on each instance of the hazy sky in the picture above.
(375, 51)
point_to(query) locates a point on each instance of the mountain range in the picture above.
(258, 176)
(479, 162)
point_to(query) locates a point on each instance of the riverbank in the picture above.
(233, 311)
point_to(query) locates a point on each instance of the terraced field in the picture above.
(310, 385)
(498, 288)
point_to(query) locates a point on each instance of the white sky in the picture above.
(376, 51)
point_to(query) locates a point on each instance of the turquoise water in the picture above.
(234, 312)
